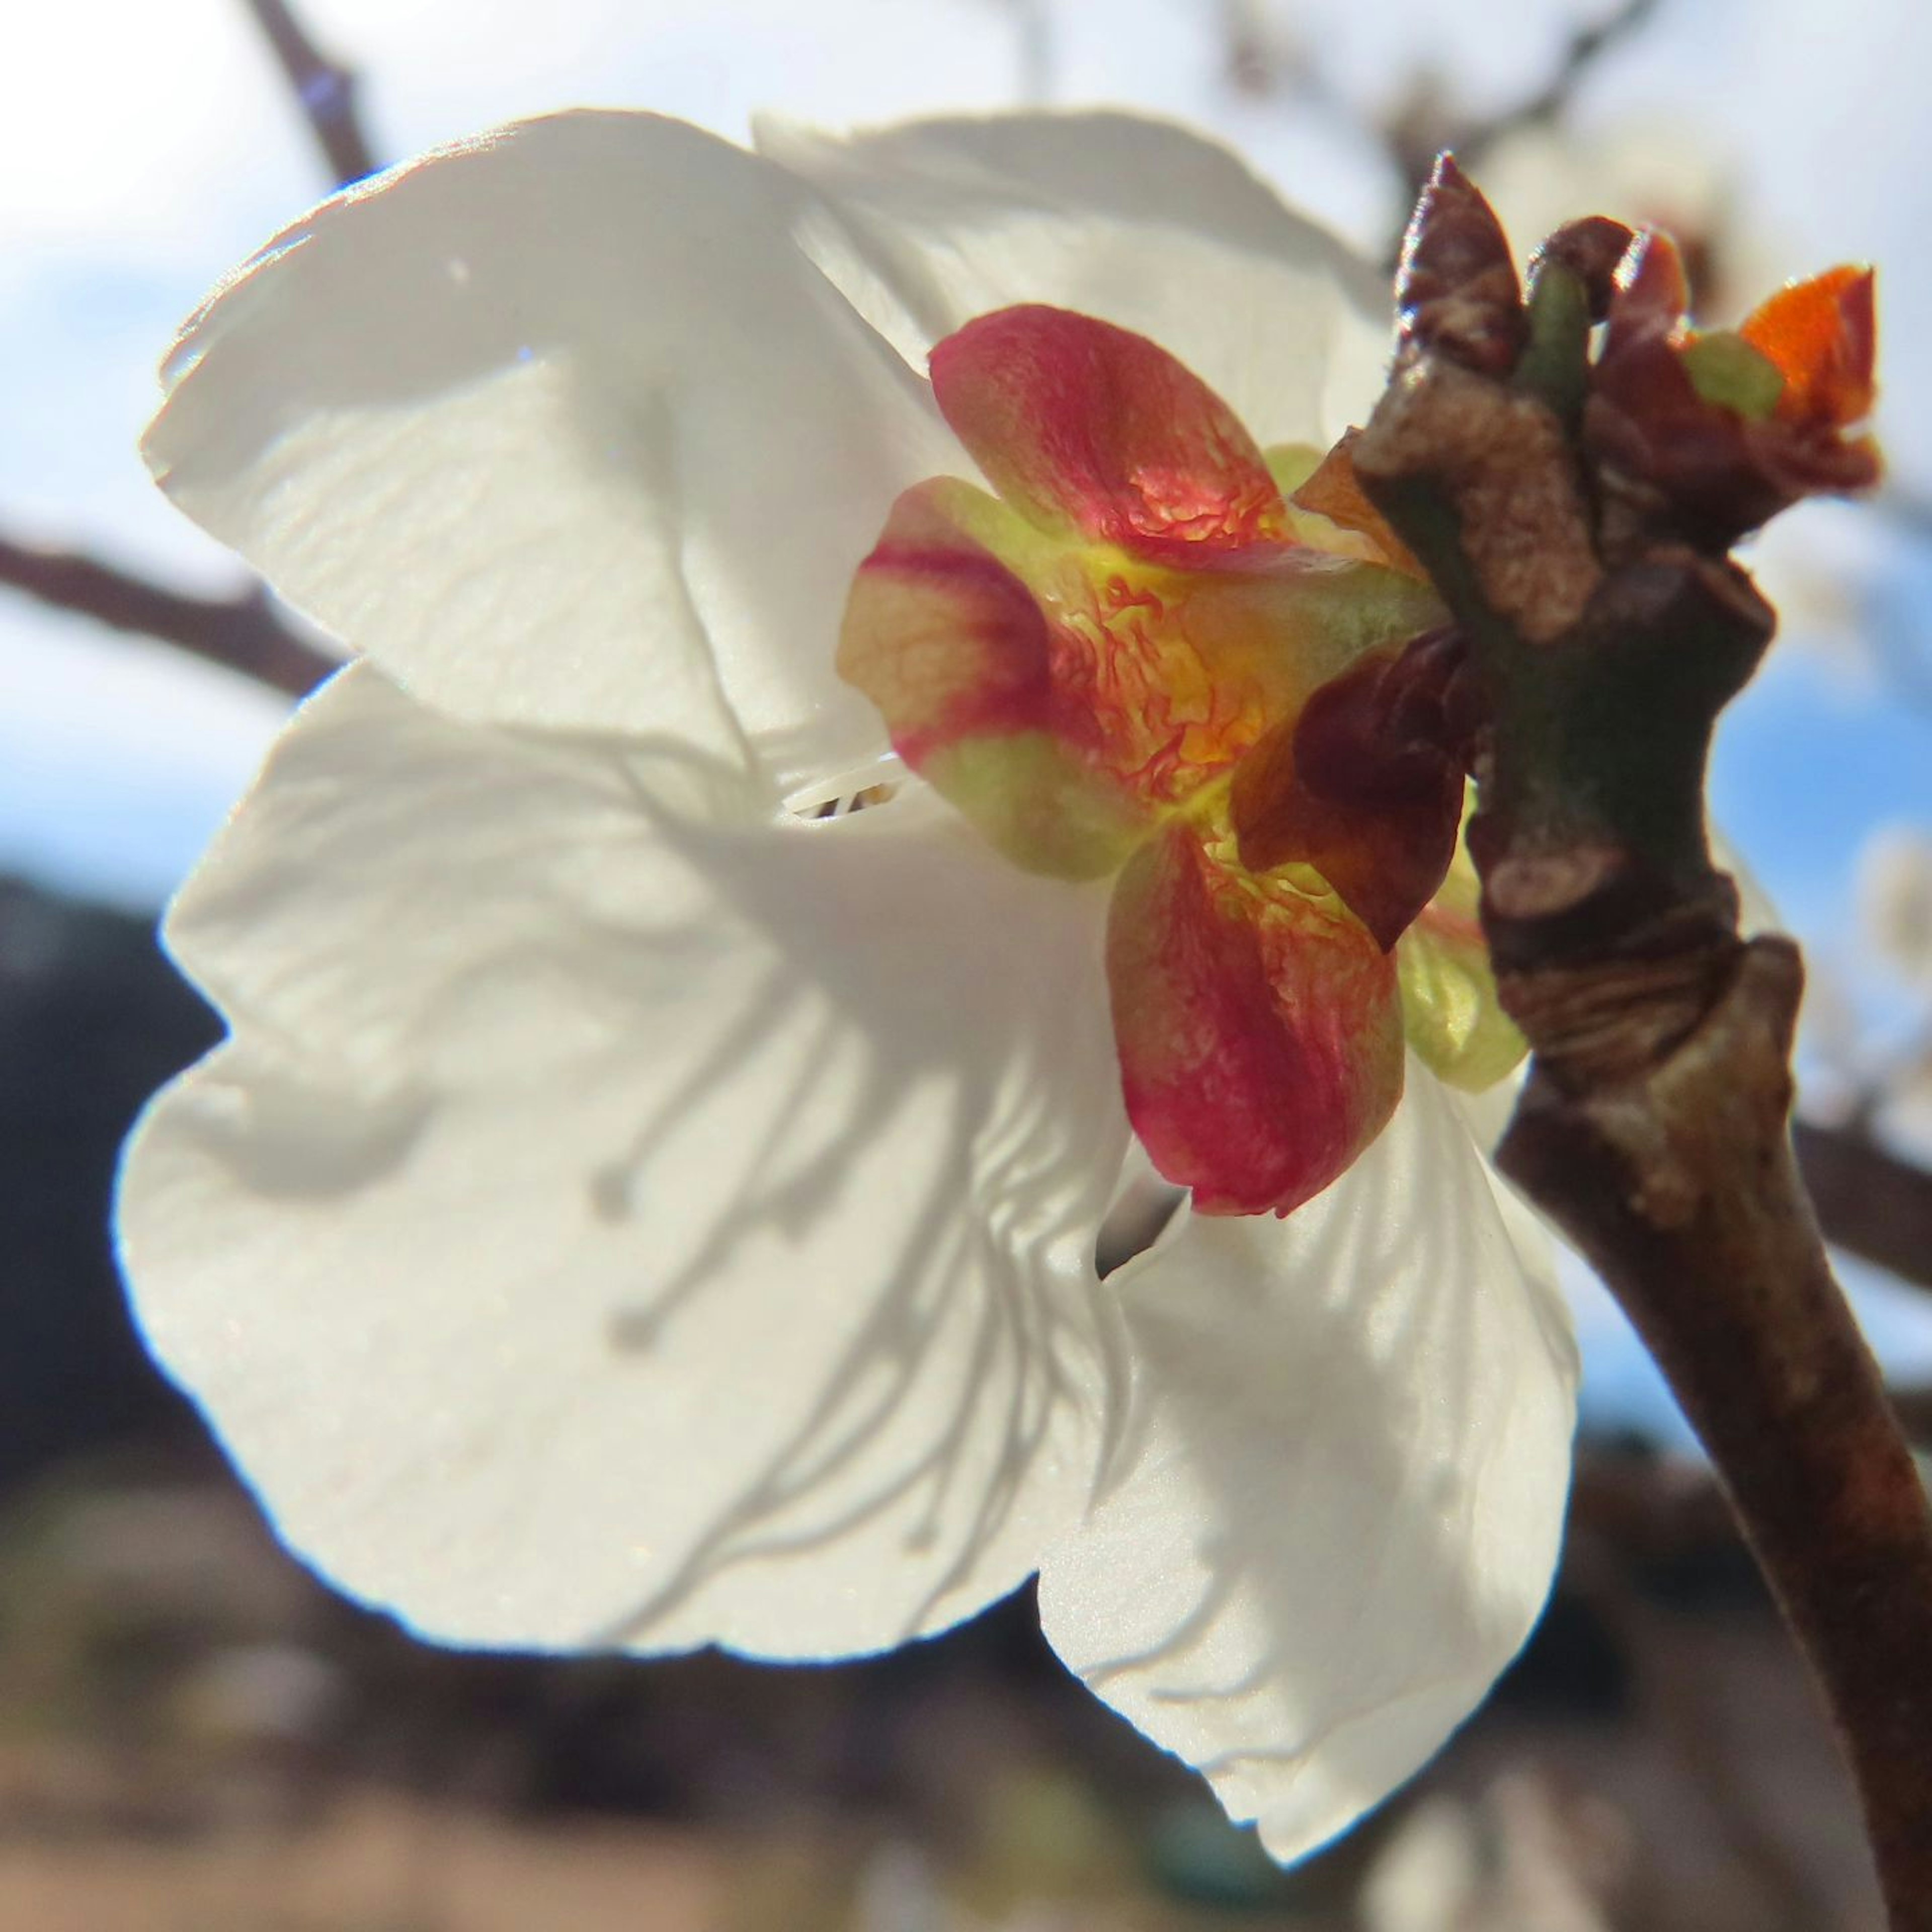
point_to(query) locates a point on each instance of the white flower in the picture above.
(629, 1211)
(1894, 899)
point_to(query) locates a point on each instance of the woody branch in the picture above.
(1575, 508)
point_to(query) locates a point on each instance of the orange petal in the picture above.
(1335, 492)
(1091, 431)
(1823, 336)
(1259, 1027)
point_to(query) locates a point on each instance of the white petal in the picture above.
(544, 421)
(1487, 1112)
(607, 1226)
(1137, 221)
(1338, 1505)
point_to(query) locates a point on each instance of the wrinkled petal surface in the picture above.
(1339, 1501)
(1126, 620)
(608, 1225)
(1096, 434)
(561, 427)
(1139, 221)
(1258, 1024)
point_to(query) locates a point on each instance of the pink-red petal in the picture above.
(1131, 685)
(1259, 1025)
(1092, 432)
(955, 651)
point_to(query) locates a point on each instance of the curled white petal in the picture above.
(1140, 222)
(561, 427)
(608, 1225)
(1337, 1508)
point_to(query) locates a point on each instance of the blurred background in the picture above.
(194, 1736)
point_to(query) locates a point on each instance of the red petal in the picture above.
(940, 635)
(1365, 787)
(1259, 1029)
(968, 628)
(1092, 431)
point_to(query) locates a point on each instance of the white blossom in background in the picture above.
(1893, 884)
(1894, 900)
(632, 1211)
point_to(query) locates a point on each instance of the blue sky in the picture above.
(145, 149)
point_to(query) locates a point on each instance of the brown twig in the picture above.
(1677, 1185)
(324, 89)
(243, 633)
(1606, 630)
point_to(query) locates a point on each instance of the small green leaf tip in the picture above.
(1726, 370)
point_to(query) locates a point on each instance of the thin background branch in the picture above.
(1587, 46)
(243, 633)
(1869, 1202)
(1413, 133)
(325, 89)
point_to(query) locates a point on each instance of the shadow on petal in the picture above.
(1334, 1514)
(734, 1283)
